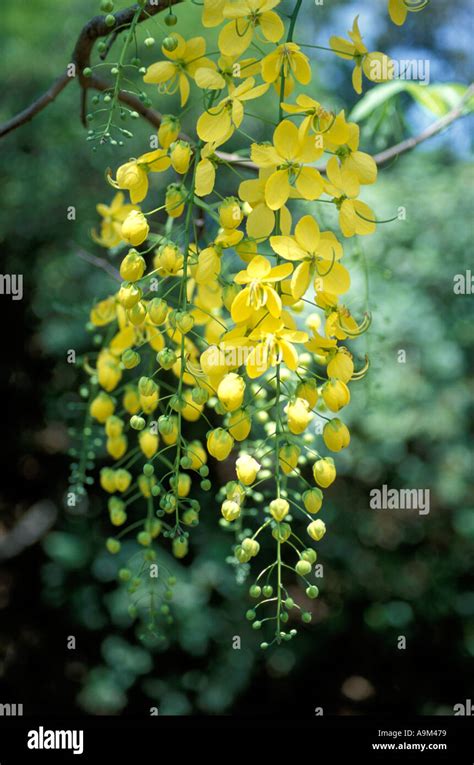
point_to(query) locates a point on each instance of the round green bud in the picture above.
(169, 43)
(255, 591)
(306, 617)
(124, 574)
(289, 603)
(310, 555)
(87, 72)
(205, 485)
(250, 615)
(312, 591)
(267, 591)
(107, 6)
(144, 538)
(257, 625)
(303, 567)
(149, 42)
(136, 422)
(171, 20)
(171, 581)
(186, 462)
(110, 20)
(113, 545)
(148, 469)
(204, 471)
(264, 646)
(284, 617)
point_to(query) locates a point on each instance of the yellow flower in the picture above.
(288, 458)
(184, 61)
(317, 119)
(279, 509)
(247, 468)
(240, 424)
(131, 400)
(313, 500)
(102, 407)
(316, 530)
(169, 130)
(230, 510)
(336, 435)
(109, 373)
(398, 9)
(103, 312)
(123, 480)
(299, 415)
(228, 70)
(270, 343)
(217, 124)
(180, 156)
(197, 454)
(356, 167)
(287, 157)
(168, 261)
(213, 12)
(341, 366)
(261, 220)
(355, 217)
(206, 170)
(148, 443)
(259, 276)
(247, 16)
(318, 253)
(286, 61)
(230, 213)
(135, 228)
(116, 447)
(377, 67)
(175, 199)
(308, 390)
(111, 226)
(336, 394)
(324, 471)
(219, 444)
(231, 391)
(132, 266)
(133, 175)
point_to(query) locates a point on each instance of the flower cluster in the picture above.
(238, 322)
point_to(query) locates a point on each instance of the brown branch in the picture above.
(432, 130)
(90, 33)
(37, 106)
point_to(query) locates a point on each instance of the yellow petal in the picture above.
(209, 79)
(205, 177)
(271, 26)
(235, 37)
(300, 279)
(260, 222)
(287, 248)
(286, 140)
(240, 310)
(277, 189)
(159, 72)
(307, 233)
(309, 183)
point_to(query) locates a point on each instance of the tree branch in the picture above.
(37, 106)
(90, 33)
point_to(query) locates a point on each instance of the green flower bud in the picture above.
(169, 43)
(137, 423)
(255, 591)
(267, 591)
(312, 591)
(306, 617)
(303, 567)
(113, 545)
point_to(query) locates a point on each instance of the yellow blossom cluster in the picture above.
(228, 338)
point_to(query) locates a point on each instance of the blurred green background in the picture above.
(386, 573)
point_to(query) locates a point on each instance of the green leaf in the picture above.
(438, 99)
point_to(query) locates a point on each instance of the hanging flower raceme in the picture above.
(197, 364)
